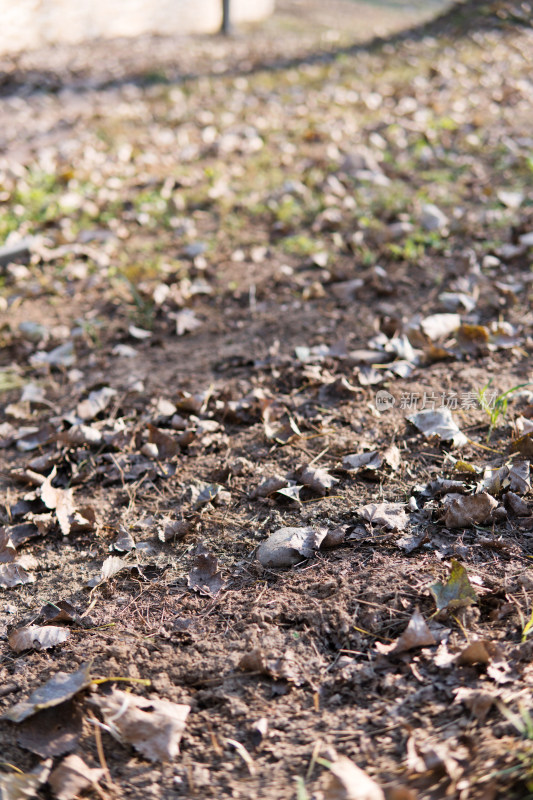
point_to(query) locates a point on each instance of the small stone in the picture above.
(432, 218)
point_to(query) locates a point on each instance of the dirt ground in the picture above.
(232, 248)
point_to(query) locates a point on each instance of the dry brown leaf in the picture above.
(37, 637)
(95, 403)
(417, 634)
(21, 785)
(204, 575)
(270, 486)
(346, 781)
(359, 462)
(167, 445)
(60, 688)
(387, 515)
(16, 574)
(153, 726)
(72, 776)
(462, 511)
(480, 651)
(439, 423)
(53, 731)
(59, 500)
(477, 701)
(316, 479)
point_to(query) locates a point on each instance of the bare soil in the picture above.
(212, 178)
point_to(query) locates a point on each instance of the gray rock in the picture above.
(432, 218)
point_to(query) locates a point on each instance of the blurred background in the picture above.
(32, 24)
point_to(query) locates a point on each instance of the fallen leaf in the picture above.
(167, 445)
(524, 446)
(111, 567)
(81, 434)
(287, 546)
(437, 326)
(15, 574)
(52, 732)
(152, 726)
(59, 500)
(21, 785)
(360, 462)
(346, 781)
(124, 543)
(438, 423)
(37, 637)
(206, 495)
(478, 701)
(186, 321)
(61, 356)
(480, 651)
(270, 485)
(417, 634)
(515, 504)
(60, 688)
(463, 511)
(139, 333)
(473, 339)
(8, 552)
(513, 476)
(72, 776)
(387, 515)
(457, 592)
(97, 402)
(204, 575)
(316, 479)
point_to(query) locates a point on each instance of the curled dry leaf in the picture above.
(346, 781)
(72, 776)
(204, 575)
(387, 515)
(59, 500)
(17, 574)
(417, 634)
(316, 479)
(60, 688)
(477, 701)
(97, 402)
(270, 486)
(21, 785)
(37, 637)
(438, 326)
(153, 726)
(360, 462)
(287, 546)
(513, 476)
(438, 423)
(111, 566)
(515, 504)
(462, 511)
(81, 434)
